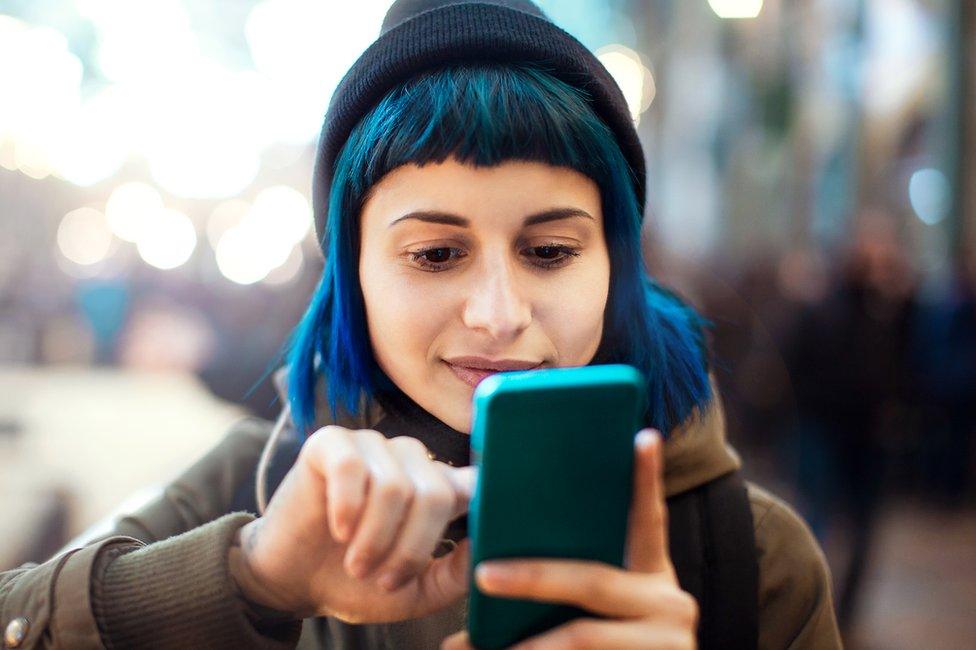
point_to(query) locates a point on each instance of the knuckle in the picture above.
(348, 464)
(366, 552)
(683, 605)
(408, 565)
(394, 490)
(439, 500)
(328, 433)
(581, 634)
(369, 433)
(597, 588)
(345, 509)
(408, 443)
(315, 443)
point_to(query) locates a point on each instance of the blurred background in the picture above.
(812, 192)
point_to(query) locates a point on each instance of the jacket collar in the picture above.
(696, 451)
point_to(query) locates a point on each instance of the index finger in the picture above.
(647, 539)
(332, 454)
(463, 480)
(457, 641)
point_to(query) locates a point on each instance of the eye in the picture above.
(436, 258)
(553, 255)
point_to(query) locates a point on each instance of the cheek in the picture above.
(402, 318)
(572, 314)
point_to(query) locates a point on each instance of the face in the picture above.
(506, 263)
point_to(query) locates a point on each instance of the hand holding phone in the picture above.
(638, 605)
(555, 451)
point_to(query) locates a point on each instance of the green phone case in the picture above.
(555, 450)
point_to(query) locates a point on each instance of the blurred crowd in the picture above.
(854, 377)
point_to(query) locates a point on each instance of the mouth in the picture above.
(473, 376)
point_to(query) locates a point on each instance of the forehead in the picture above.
(484, 195)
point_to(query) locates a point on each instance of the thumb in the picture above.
(647, 539)
(444, 581)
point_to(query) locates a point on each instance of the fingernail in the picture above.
(489, 573)
(646, 437)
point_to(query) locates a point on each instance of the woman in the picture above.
(484, 187)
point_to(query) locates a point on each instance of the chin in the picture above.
(460, 421)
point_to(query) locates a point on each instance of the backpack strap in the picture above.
(713, 548)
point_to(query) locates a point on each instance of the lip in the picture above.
(500, 365)
(482, 368)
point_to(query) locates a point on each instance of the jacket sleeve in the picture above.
(204, 491)
(49, 605)
(796, 608)
(159, 578)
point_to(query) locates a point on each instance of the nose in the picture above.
(496, 304)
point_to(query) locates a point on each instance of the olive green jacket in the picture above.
(160, 578)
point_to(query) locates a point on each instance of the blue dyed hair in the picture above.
(485, 114)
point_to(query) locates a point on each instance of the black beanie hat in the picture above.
(419, 35)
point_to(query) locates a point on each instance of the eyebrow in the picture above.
(436, 216)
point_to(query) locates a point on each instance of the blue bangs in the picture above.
(484, 114)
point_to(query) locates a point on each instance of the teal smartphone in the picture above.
(555, 452)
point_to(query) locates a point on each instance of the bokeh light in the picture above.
(289, 270)
(209, 148)
(167, 239)
(84, 236)
(929, 193)
(241, 257)
(634, 78)
(8, 158)
(736, 8)
(32, 160)
(265, 237)
(292, 41)
(283, 212)
(200, 149)
(225, 216)
(92, 142)
(130, 208)
(45, 84)
(140, 40)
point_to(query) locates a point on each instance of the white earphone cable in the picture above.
(261, 482)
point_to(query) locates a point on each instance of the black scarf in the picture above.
(404, 417)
